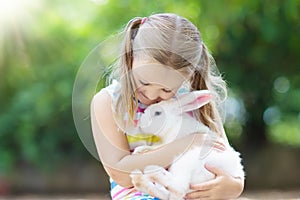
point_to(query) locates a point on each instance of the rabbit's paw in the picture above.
(165, 181)
(158, 174)
(177, 191)
(143, 183)
(137, 178)
(142, 149)
(160, 178)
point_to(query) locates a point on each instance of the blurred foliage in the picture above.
(255, 43)
(258, 53)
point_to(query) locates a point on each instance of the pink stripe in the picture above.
(141, 109)
(138, 194)
(119, 192)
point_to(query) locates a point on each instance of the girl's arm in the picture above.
(113, 148)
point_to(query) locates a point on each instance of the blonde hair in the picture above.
(173, 41)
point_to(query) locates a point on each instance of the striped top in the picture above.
(135, 138)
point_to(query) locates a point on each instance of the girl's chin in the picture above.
(145, 103)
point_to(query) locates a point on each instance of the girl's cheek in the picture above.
(140, 88)
(168, 96)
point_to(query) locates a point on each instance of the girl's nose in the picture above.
(152, 94)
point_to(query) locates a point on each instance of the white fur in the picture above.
(170, 120)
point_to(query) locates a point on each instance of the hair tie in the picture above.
(143, 20)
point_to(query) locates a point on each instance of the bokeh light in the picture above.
(282, 84)
(271, 115)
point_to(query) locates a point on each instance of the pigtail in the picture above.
(201, 72)
(126, 102)
(130, 33)
(200, 81)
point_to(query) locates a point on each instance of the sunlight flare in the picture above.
(10, 9)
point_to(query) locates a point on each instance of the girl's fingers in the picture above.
(214, 142)
(219, 145)
(197, 195)
(214, 170)
(202, 191)
(210, 144)
(203, 186)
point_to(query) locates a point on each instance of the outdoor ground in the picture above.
(291, 195)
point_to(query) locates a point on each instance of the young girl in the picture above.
(162, 55)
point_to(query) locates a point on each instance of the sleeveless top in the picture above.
(135, 138)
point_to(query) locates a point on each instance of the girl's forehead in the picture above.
(156, 73)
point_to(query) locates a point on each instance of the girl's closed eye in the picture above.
(167, 90)
(144, 83)
(164, 89)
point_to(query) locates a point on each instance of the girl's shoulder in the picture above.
(113, 90)
(107, 96)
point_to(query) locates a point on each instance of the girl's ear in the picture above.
(194, 100)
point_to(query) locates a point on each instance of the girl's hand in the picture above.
(219, 145)
(224, 186)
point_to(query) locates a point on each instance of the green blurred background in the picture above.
(256, 45)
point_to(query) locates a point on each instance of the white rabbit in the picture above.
(170, 120)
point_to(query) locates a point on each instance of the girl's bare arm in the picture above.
(113, 148)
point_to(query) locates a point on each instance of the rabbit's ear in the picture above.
(194, 100)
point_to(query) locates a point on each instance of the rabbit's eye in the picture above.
(157, 113)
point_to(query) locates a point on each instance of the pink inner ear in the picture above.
(201, 99)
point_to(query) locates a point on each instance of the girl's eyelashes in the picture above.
(143, 83)
(164, 89)
(167, 91)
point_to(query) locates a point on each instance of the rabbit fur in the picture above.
(171, 120)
